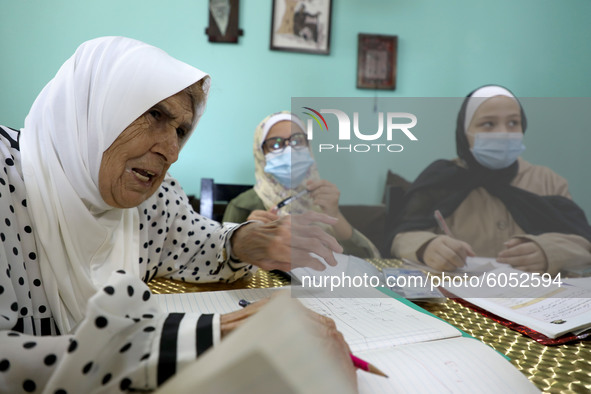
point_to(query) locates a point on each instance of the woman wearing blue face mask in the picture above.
(284, 167)
(495, 203)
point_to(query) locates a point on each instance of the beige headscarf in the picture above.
(269, 190)
(107, 84)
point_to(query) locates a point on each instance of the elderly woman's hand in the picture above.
(445, 253)
(286, 243)
(336, 345)
(262, 216)
(325, 327)
(523, 254)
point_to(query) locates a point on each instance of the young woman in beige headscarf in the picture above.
(284, 168)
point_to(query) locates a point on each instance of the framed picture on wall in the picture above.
(223, 21)
(301, 26)
(376, 61)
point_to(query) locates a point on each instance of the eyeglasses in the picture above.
(277, 144)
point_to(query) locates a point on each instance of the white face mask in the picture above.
(289, 167)
(496, 150)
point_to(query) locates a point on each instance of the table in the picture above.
(553, 369)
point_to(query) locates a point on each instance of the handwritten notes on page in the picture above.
(457, 365)
(365, 323)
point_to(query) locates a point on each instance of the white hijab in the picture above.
(478, 97)
(107, 84)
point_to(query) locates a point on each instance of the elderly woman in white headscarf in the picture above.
(89, 211)
(285, 171)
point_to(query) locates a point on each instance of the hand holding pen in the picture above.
(288, 201)
(271, 215)
(323, 193)
(442, 224)
(357, 362)
(444, 252)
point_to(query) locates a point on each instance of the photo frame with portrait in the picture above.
(376, 61)
(301, 26)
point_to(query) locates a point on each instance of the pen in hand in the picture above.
(288, 200)
(359, 363)
(441, 222)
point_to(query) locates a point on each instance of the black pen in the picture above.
(289, 200)
(244, 303)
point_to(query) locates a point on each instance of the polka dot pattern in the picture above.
(181, 244)
(115, 347)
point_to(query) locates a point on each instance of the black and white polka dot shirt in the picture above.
(125, 342)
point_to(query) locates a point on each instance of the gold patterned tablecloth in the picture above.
(260, 279)
(553, 369)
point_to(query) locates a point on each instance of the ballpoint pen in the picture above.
(289, 200)
(243, 303)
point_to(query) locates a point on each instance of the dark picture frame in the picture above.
(301, 26)
(376, 61)
(223, 21)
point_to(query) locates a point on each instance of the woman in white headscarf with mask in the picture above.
(284, 168)
(494, 203)
(90, 214)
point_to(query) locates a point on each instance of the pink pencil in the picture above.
(364, 365)
(441, 222)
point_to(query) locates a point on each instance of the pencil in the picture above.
(441, 223)
(364, 365)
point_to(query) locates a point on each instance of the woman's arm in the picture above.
(124, 342)
(178, 243)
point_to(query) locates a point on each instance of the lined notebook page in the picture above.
(210, 301)
(277, 350)
(366, 323)
(457, 365)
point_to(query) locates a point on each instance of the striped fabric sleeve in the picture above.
(185, 337)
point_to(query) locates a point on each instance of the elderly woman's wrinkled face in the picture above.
(134, 166)
(499, 113)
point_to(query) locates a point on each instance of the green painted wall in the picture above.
(537, 48)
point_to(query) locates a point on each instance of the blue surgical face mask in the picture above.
(289, 166)
(496, 150)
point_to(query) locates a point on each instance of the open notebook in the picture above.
(278, 350)
(540, 302)
(419, 352)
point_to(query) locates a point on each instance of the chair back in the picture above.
(216, 196)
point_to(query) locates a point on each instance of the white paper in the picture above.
(364, 322)
(458, 365)
(474, 266)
